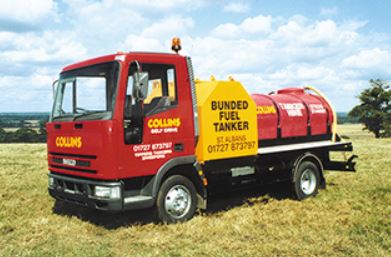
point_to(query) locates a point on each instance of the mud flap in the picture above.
(202, 194)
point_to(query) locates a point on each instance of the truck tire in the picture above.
(306, 180)
(176, 200)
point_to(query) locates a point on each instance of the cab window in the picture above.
(161, 88)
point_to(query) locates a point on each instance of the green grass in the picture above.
(351, 217)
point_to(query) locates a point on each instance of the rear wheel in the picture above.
(177, 200)
(306, 180)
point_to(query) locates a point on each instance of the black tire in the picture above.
(176, 200)
(306, 180)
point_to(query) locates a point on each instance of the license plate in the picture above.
(69, 162)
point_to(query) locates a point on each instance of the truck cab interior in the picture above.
(161, 89)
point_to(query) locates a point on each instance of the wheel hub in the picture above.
(177, 201)
(308, 182)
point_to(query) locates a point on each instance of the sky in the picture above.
(336, 46)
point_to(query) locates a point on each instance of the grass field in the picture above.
(352, 217)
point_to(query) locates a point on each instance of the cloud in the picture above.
(288, 52)
(302, 74)
(157, 36)
(145, 5)
(250, 26)
(46, 47)
(272, 47)
(25, 10)
(102, 25)
(168, 26)
(264, 52)
(162, 5)
(369, 59)
(235, 7)
(26, 93)
(320, 33)
(138, 43)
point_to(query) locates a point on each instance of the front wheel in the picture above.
(177, 200)
(306, 180)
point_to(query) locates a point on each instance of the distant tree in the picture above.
(387, 125)
(3, 135)
(374, 110)
(9, 137)
(42, 130)
(343, 118)
(25, 135)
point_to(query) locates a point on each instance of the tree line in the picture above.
(24, 135)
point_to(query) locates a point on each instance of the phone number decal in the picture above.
(231, 143)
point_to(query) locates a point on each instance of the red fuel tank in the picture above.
(292, 113)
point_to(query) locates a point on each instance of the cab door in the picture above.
(166, 121)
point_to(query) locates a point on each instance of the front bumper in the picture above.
(80, 191)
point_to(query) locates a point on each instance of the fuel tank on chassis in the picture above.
(234, 124)
(292, 113)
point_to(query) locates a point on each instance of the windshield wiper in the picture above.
(86, 114)
(62, 116)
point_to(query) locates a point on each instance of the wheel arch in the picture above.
(311, 157)
(186, 166)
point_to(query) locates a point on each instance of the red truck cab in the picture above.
(107, 148)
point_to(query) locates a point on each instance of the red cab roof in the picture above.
(122, 57)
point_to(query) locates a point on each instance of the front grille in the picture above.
(72, 162)
(82, 156)
(72, 169)
(78, 162)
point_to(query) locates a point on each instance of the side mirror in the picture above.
(140, 85)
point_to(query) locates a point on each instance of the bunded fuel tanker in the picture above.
(137, 130)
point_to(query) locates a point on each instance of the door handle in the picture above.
(178, 148)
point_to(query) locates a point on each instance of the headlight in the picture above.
(108, 192)
(51, 182)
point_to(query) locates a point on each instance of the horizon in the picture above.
(43, 112)
(335, 46)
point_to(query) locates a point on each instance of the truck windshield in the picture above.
(87, 93)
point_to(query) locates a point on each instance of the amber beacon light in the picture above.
(176, 44)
